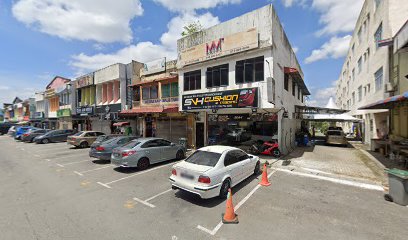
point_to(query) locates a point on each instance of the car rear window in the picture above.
(204, 158)
(100, 138)
(78, 134)
(131, 144)
(336, 133)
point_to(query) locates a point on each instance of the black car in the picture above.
(31, 134)
(54, 136)
(4, 127)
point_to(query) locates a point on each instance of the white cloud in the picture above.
(103, 21)
(321, 96)
(191, 5)
(336, 16)
(175, 26)
(144, 51)
(4, 87)
(295, 49)
(336, 47)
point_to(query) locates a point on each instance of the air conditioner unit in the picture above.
(388, 87)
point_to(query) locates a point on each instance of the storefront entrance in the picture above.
(199, 134)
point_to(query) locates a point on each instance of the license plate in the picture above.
(116, 154)
(186, 175)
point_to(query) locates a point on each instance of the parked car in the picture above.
(83, 139)
(336, 137)
(11, 131)
(103, 151)
(142, 152)
(21, 130)
(54, 136)
(103, 138)
(5, 127)
(32, 133)
(211, 171)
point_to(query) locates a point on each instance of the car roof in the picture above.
(218, 148)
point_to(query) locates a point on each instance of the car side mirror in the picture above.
(172, 144)
(250, 156)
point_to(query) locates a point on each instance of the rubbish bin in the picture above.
(183, 142)
(398, 181)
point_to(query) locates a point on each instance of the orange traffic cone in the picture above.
(229, 216)
(265, 182)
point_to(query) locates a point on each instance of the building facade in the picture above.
(241, 80)
(52, 97)
(41, 112)
(84, 102)
(365, 75)
(110, 83)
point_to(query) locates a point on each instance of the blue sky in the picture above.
(44, 38)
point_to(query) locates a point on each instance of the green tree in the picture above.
(191, 28)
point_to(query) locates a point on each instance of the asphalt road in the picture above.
(54, 192)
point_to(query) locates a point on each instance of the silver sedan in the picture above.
(142, 152)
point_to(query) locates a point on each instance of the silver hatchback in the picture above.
(142, 152)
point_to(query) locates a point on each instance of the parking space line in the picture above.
(70, 163)
(103, 184)
(146, 202)
(134, 175)
(95, 169)
(336, 180)
(219, 225)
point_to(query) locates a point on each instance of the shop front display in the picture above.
(106, 115)
(241, 129)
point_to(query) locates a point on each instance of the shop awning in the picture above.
(297, 78)
(135, 111)
(386, 103)
(169, 78)
(121, 124)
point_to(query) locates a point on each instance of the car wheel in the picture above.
(276, 152)
(224, 188)
(83, 145)
(143, 163)
(45, 141)
(257, 169)
(180, 155)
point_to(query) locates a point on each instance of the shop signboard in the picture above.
(38, 115)
(64, 112)
(84, 81)
(161, 100)
(237, 98)
(156, 66)
(108, 108)
(227, 45)
(85, 110)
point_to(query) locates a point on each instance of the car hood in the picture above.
(192, 167)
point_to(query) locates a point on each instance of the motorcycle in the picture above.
(270, 148)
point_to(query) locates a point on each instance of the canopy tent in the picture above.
(332, 116)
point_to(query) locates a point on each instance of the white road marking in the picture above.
(60, 165)
(36, 155)
(144, 202)
(102, 184)
(155, 196)
(136, 174)
(336, 180)
(95, 169)
(48, 160)
(80, 174)
(316, 171)
(70, 163)
(219, 225)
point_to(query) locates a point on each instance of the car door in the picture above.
(233, 167)
(89, 137)
(151, 150)
(167, 150)
(56, 136)
(246, 162)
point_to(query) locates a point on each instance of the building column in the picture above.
(104, 93)
(109, 92)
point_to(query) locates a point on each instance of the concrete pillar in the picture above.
(104, 93)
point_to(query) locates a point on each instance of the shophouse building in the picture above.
(111, 93)
(52, 96)
(366, 73)
(65, 96)
(241, 80)
(84, 104)
(41, 110)
(28, 109)
(155, 102)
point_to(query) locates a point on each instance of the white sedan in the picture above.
(211, 171)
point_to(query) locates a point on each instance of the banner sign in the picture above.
(85, 110)
(161, 100)
(155, 66)
(64, 112)
(235, 43)
(238, 98)
(38, 115)
(84, 81)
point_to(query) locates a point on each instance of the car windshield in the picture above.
(131, 144)
(204, 158)
(78, 134)
(100, 138)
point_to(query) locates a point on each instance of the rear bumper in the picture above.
(100, 155)
(72, 143)
(204, 192)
